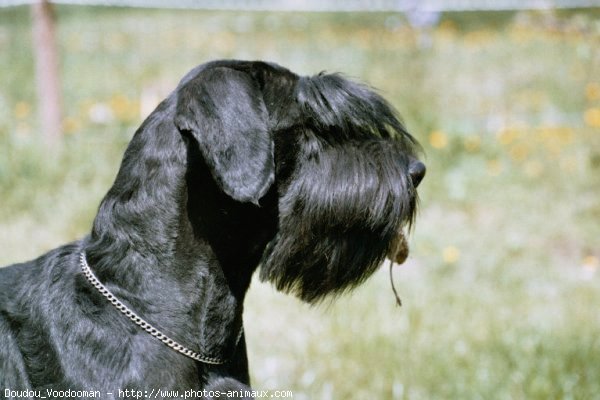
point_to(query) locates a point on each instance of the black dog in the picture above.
(245, 164)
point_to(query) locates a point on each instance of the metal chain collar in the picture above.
(87, 271)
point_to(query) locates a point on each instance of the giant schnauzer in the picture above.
(245, 166)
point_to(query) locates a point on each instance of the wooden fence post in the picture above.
(47, 71)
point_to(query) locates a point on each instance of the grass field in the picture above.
(502, 290)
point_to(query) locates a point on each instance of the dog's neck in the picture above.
(158, 243)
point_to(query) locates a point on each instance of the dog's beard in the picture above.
(399, 249)
(340, 217)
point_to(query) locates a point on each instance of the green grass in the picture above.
(502, 289)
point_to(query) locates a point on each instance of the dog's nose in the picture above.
(416, 169)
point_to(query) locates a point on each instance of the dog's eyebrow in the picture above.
(334, 101)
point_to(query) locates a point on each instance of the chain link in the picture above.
(87, 271)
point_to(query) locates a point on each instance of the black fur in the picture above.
(245, 164)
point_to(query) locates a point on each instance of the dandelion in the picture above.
(592, 91)
(589, 266)
(559, 134)
(450, 254)
(472, 144)
(438, 139)
(495, 167)
(577, 72)
(519, 152)
(533, 169)
(448, 25)
(592, 117)
(123, 108)
(521, 34)
(569, 164)
(566, 135)
(364, 38)
(22, 110)
(507, 136)
(590, 263)
(478, 38)
(71, 125)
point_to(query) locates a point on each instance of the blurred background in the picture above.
(501, 292)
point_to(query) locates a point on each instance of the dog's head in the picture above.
(343, 167)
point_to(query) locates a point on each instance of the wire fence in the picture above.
(330, 5)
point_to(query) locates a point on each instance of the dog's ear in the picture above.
(224, 111)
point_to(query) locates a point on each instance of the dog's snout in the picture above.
(416, 169)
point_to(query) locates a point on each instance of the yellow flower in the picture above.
(590, 263)
(569, 164)
(495, 167)
(472, 143)
(22, 110)
(479, 37)
(450, 254)
(438, 139)
(447, 25)
(123, 108)
(592, 91)
(592, 117)
(507, 136)
(534, 169)
(71, 125)
(519, 152)
(566, 135)
(589, 266)
(521, 33)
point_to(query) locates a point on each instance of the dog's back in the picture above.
(28, 292)
(13, 280)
